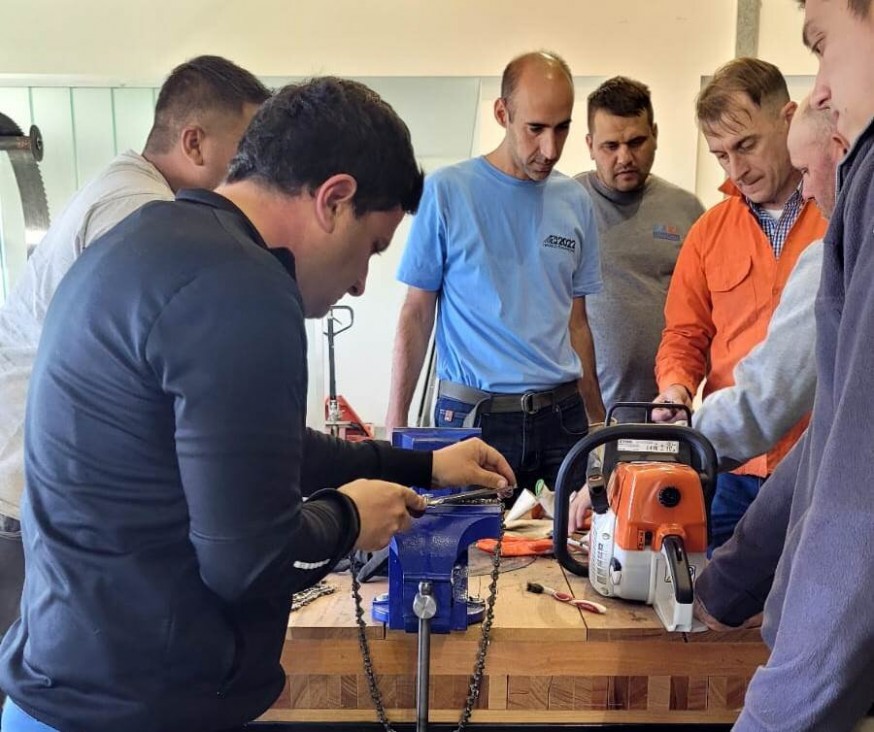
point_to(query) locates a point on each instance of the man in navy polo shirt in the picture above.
(166, 448)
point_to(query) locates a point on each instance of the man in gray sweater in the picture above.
(642, 221)
(805, 549)
(774, 384)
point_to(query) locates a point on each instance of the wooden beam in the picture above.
(747, 28)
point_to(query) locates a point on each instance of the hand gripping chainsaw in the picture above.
(651, 495)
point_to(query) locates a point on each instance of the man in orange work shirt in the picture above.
(736, 260)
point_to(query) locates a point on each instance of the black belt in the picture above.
(485, 402)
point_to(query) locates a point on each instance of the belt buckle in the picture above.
(527, 403)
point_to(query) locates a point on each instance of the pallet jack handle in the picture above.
(332, 331)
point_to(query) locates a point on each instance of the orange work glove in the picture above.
(517, 546)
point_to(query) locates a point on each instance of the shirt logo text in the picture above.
(554, 241)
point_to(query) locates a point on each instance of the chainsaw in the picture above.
(651, 489)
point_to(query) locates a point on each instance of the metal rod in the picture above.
(14, 143)
(332, 374)
(425, 607)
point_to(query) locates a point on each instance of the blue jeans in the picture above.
(15, 719)
(733, 496)
(534, 444)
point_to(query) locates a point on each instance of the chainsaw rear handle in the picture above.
(703, 455)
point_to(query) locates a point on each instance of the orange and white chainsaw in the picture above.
(651, 494)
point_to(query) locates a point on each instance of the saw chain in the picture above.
(476, 678)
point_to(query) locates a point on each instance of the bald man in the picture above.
(508, 247)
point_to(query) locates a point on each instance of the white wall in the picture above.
(780, 38)
(668, 44)
(779, 43)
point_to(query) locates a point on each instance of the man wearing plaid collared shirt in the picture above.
(736, 260)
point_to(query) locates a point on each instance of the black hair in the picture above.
(202, 85)
(621, 97)
(309, 131)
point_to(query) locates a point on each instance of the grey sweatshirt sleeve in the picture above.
(735, 584)
(230, 350)
(775, 382)
(818, 677)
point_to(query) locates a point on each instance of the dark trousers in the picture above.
(11, 572)
(733, 496)
(534, 444)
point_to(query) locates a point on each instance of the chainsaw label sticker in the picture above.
(670, 447)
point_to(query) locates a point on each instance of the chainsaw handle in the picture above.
(702, 450)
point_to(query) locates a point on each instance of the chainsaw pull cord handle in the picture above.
(702, 453)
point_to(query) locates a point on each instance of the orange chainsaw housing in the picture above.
(640, 495)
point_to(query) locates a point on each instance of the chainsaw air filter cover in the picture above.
(652, 500)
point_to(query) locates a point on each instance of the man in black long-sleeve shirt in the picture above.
(166, 447)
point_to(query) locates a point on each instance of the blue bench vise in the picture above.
(435, 550)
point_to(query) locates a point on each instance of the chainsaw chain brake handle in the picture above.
(703, 458)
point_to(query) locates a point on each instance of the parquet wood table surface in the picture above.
(547, 662)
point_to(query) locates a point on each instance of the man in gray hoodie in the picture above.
(804, 552)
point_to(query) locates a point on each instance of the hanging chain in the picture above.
(479, 665)
(375, 695)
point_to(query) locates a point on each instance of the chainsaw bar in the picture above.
(25, 152)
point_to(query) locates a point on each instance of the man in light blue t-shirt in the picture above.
(508, 248)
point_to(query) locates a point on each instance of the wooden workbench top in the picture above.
(547, 661)
(519, 615)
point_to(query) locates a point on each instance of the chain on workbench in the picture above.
(479, 664)
(305, 597)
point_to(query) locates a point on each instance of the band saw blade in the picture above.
(25, 153)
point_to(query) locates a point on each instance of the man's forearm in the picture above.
(584, 345)
(408, 357)
(590, 390)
